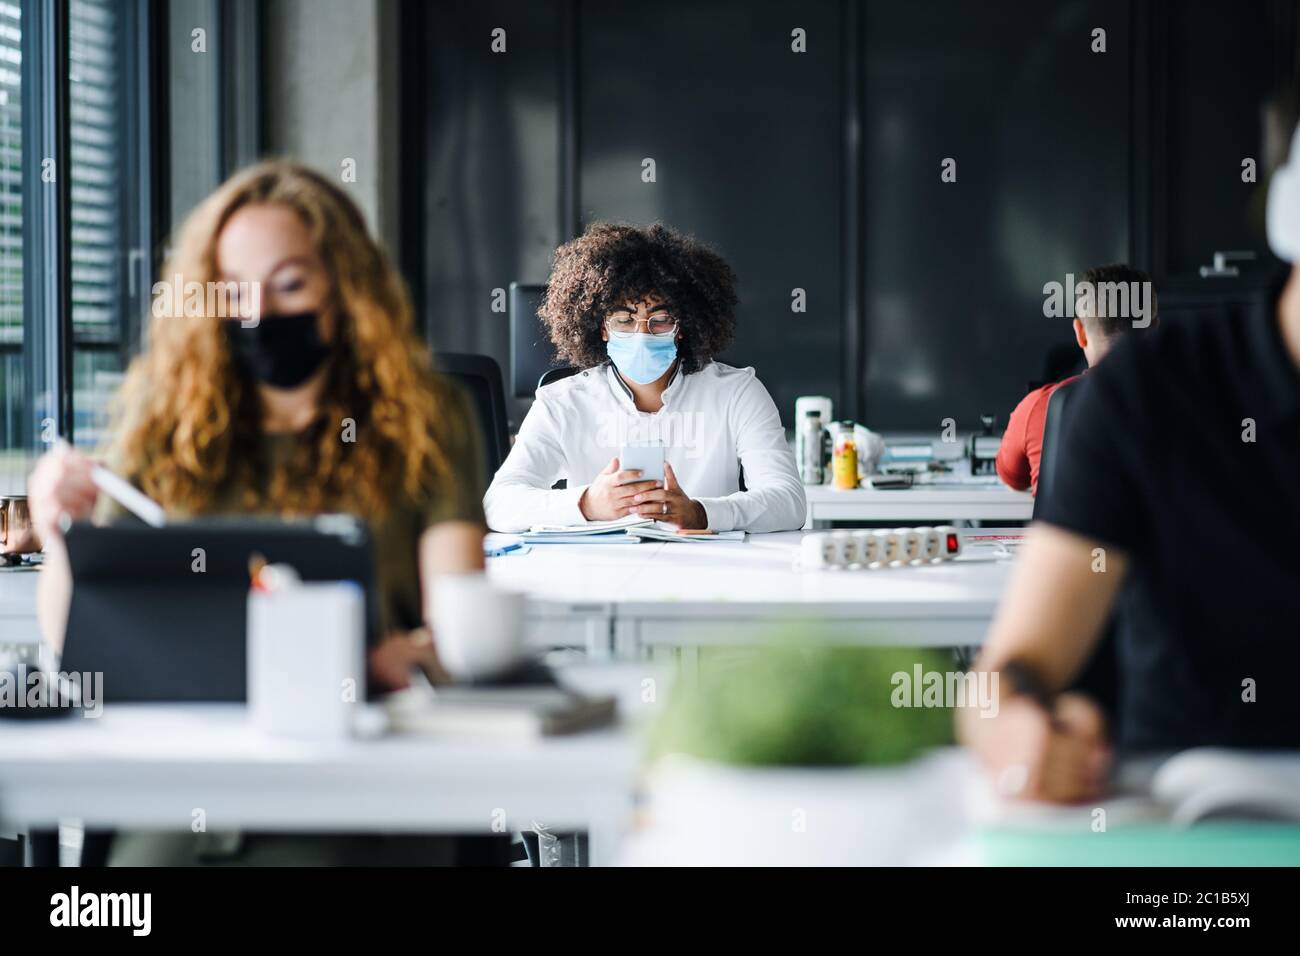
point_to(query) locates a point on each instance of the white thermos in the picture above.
(809, 447)
(803, 454)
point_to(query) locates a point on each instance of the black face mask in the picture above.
(281, 350)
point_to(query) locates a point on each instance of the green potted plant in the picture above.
(803, 752)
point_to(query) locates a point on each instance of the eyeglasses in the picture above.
(625, 323)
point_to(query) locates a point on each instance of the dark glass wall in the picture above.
(821, 170)
(745, 135)
(1222, 63)
(1037, 125)
(482, 179)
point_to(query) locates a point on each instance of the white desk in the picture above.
(151, 766)
(18, 628)
(573, 587)
(689, 595)
(625, 599)
(948, 503)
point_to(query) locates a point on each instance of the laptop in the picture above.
(161, 612)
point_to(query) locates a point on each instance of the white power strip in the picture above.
(869, 550)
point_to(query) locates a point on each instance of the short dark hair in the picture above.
(1106, 321)
(610, 265)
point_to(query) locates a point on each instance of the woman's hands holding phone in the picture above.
(607, 498)
(670, 504)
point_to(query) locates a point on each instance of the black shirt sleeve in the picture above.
(1101, 480)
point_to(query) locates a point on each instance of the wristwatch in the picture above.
(1026, 682)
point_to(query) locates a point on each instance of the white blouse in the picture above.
(713, 423)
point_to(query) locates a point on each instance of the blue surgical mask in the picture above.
(641, 357)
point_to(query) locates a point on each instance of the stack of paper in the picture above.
(591, 532)
(506, 713)
(657, 533)
(629, 530)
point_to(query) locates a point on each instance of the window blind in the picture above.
(11, 185)
(95, 145)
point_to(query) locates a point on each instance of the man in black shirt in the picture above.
(1180, 477)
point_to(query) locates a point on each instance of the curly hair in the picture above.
(612, 265)
(186, 425)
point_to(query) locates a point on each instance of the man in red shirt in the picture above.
(1098, 324)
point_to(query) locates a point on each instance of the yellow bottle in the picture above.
(844, 459)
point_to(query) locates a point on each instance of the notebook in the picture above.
(1209, 783)
(1194, 786)
(656, 533)
(591, 532)
(586, 528)
(502, 713)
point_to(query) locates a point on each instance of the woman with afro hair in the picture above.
(643, 313)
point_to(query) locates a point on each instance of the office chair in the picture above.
(530, 345)
(480, 377)
(44, 847)
(1100, 676)
(1058, 412)
(549, 376)
(1060, 362)
(555, 374)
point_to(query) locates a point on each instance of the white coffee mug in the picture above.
(478, 629)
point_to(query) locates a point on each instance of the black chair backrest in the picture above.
(531, 352)
(480, 377)
(1054, 423)
(555, 374)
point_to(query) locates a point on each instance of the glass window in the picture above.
(14, 425)
(80, 315)
(101, 259)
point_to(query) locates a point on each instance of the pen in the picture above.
(124, 493)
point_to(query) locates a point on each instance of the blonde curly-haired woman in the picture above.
(327, 403)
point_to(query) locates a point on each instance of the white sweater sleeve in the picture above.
(520, 495)
(773, 499)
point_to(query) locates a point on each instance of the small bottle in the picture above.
(811, 470)
(844, 459)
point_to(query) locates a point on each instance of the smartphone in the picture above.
(647, 459)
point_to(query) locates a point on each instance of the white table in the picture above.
(574, 589)
(18, 628)
(625, 599)
(668, 595)
(145, 766)
(946, 503)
